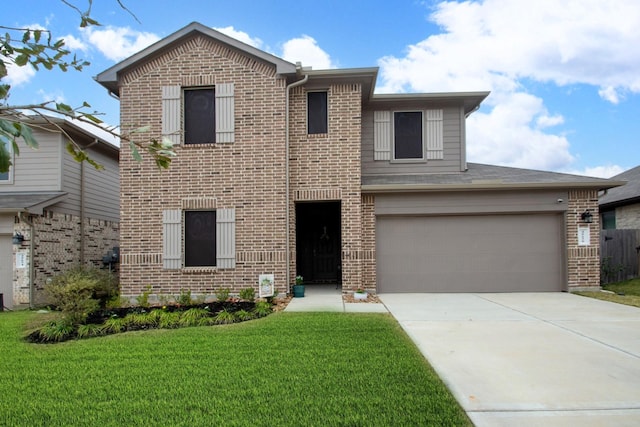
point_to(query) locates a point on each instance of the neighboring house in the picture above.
(55, 213)
(620, 207)
(285, 170)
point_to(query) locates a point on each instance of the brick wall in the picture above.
(327, 167)
(583, 262)
(57, 247)
(369, 278)
(247, 175)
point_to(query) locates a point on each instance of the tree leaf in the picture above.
(134, 151)
(36, 35)
(8, 128)
(21, 60)
(5, 158)
(27, 135)
(63, 107)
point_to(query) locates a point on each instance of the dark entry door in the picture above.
(318, 242)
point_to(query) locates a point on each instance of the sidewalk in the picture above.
(328, 298)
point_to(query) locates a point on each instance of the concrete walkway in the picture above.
(328, 298)
(530, 359)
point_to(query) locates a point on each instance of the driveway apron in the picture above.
(529, 359)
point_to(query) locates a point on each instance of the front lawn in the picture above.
(626, 292)
(288, 369)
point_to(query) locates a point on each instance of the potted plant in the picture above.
(298, 288)
(360, 293)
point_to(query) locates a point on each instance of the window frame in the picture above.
(185, 251)
(192, 89)
(325, 126)
(394, 158)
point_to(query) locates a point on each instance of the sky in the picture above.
(564, 75)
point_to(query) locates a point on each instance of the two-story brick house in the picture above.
(55, 212)
(285, 170)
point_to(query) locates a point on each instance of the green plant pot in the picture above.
(298, 291)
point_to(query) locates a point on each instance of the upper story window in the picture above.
(608, 220)
(407, 135)
(7, 177)
(199, 116)
(317, 112)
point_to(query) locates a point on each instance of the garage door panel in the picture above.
(489, 253)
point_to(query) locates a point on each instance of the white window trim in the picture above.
(12, 156)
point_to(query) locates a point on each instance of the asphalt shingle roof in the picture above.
(628, 192)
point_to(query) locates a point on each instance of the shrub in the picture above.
(248, 294)
(262, 308)
(244, 315)
(225, 317)
(81, 291)
(223, 294)
(143, 299)
(55, 331)
(185, 297)
(89, 330)
(194, 317)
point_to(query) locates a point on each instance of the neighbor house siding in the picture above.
(246, 174)
(628, 217)
(40, 169)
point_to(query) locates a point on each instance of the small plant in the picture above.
(143, 299)
(262, 309)
(248, 294)
(271, 298)
(194, 317)
(223, 294)
(361, 291)
(299, 280)
(114, 325)
(165, 299)
(184, 298)
(244, 315)
(89, 330)
(169, 320)
(225, 317)
(56, 331)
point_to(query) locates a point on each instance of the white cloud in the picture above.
(73, 43)
(501, 45)
(241, 36)
(56, 96)
(600, 171)
(305, 49)
(17, 76)
(117, 43)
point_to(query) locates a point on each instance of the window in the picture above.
(408, 135)
(6, 177)
(407, 140)
(209, 238)
(608, 220)
(199, 116)
(199, 238)
(317, 112)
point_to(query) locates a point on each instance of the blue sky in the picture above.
(564, 75)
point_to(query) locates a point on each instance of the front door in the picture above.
(318, 242)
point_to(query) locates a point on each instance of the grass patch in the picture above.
(288, 369)
(626, 292)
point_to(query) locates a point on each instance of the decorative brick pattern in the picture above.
(369, 277)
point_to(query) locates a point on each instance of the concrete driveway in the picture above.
(530, 359)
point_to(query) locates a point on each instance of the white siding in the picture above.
(38, 170)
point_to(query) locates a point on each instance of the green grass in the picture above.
(288, 369)
(626, 292)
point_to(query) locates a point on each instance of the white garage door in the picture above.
(477, 253)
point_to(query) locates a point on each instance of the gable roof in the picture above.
(484, 177)
(31, 202)
(628, 193)
(109, 77)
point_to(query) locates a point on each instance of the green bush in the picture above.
(184, 298)
(248, 294)
(80, 291)
(143, 298)
(223, 294)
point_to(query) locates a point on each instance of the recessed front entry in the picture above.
(318, 242)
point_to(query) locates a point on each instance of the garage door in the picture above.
(478, 253)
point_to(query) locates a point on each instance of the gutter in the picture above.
(32, 233)
(287, 195)
(408, 188)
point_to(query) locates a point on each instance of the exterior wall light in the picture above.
(17, 239)
(586, 217)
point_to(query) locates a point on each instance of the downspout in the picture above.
(32, 234)
(287, 196)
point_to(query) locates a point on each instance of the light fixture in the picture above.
(586, 217)
(17, 239)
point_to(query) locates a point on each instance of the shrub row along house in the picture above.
(55, 213)
(290, 171)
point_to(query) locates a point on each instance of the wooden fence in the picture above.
(619, 255)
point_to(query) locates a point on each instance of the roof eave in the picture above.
(471, 100)
(412, 188)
